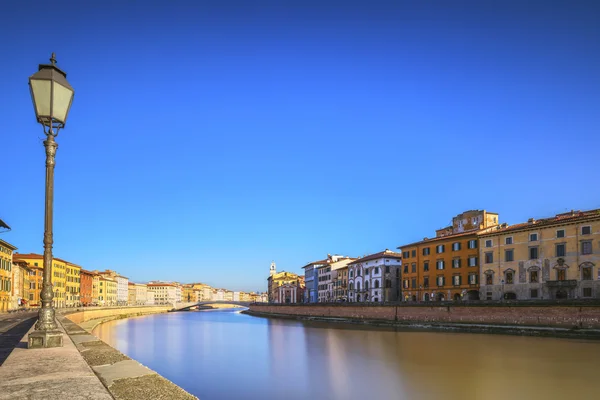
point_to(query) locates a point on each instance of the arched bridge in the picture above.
(188, 306)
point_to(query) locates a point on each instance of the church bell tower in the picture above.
(273, 270)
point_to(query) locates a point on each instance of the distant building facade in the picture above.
(375, 277)
(550, 258)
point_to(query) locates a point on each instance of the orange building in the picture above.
(85, 294)
(446, 267)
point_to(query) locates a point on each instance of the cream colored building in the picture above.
(550, 258)
(107, 295)
(165, 293)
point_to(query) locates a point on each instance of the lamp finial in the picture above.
(53, 59)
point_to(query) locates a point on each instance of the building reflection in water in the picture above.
(224, 355)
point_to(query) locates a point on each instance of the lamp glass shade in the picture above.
(41, 91)
(62, 102)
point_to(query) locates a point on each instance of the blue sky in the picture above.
(208, 138)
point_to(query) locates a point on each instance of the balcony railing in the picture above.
(571, 283)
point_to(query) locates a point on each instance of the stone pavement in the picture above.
(46, 374)
(12, 328)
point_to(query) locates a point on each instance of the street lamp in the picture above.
(52, 97)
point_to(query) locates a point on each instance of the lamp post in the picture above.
(52, 97)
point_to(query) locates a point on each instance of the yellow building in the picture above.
(550, 258)
(107, 292)
(36, 278)
(190, 294)
(96, 289)
(73, 284)
(6, 259)
(276, 280)
(59, 274)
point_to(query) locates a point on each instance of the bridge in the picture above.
(188, 306)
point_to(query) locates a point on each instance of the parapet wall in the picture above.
(569, 316)
(114, 312)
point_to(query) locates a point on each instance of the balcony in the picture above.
(571, 283)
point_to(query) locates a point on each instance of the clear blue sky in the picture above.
(208, 138)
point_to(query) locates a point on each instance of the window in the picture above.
(376, 284)
(406, 269)
(586, 273)
(440, 264)
(560, 233)
(351, 273)
(509, 255)
(489, 257)
(561, 274)
(456, 280)
(533, 237)
(472, 244)
(534, 294)
(426, 251)
(586, 230)
(456, 263)
(509, 278)
(508, 240)
(387, 269)
(405, 254)
(413, 283)
(586, 247)
(413, 253)
(472, 261)
(376, 270)
(488, 243)
(413, 268)
(533, 253)
(405, 283)
(533, 277)
(587, 292)
(560, 250)
(426, 282)
(456, 246)
(472, 279)
(489, 279)
(440, 281)
(439, 248)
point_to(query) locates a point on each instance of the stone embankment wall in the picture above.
(568, 316)
(117, 312)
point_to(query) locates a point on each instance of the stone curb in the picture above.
(124, 378)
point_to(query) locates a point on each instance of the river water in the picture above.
(228, 355)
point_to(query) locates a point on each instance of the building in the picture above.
(107, 292)
(20, 285)
(86, 287)
(550, 258)
(58, 278)
(36, 279)
(164, 293)
(190, 294)
(122, 282)
(95, 288)
(150, 297)
(311, 280)
(325, 276)
(375, 277)
(278, 279)
(72, 285)
(446, 267)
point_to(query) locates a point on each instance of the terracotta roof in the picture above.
(454, 235)
(558, 219)
(35, 256)
(375, 256)
(160, 284)
(316, 262)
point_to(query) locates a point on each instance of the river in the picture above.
(220, 355)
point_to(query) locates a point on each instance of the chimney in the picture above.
(531, 221)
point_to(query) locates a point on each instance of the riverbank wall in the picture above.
(88, 319)
(573, 319)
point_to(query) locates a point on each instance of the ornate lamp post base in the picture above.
(42, 339)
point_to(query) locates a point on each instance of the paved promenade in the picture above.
(84, 368)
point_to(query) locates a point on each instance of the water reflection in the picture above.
(226, 355)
